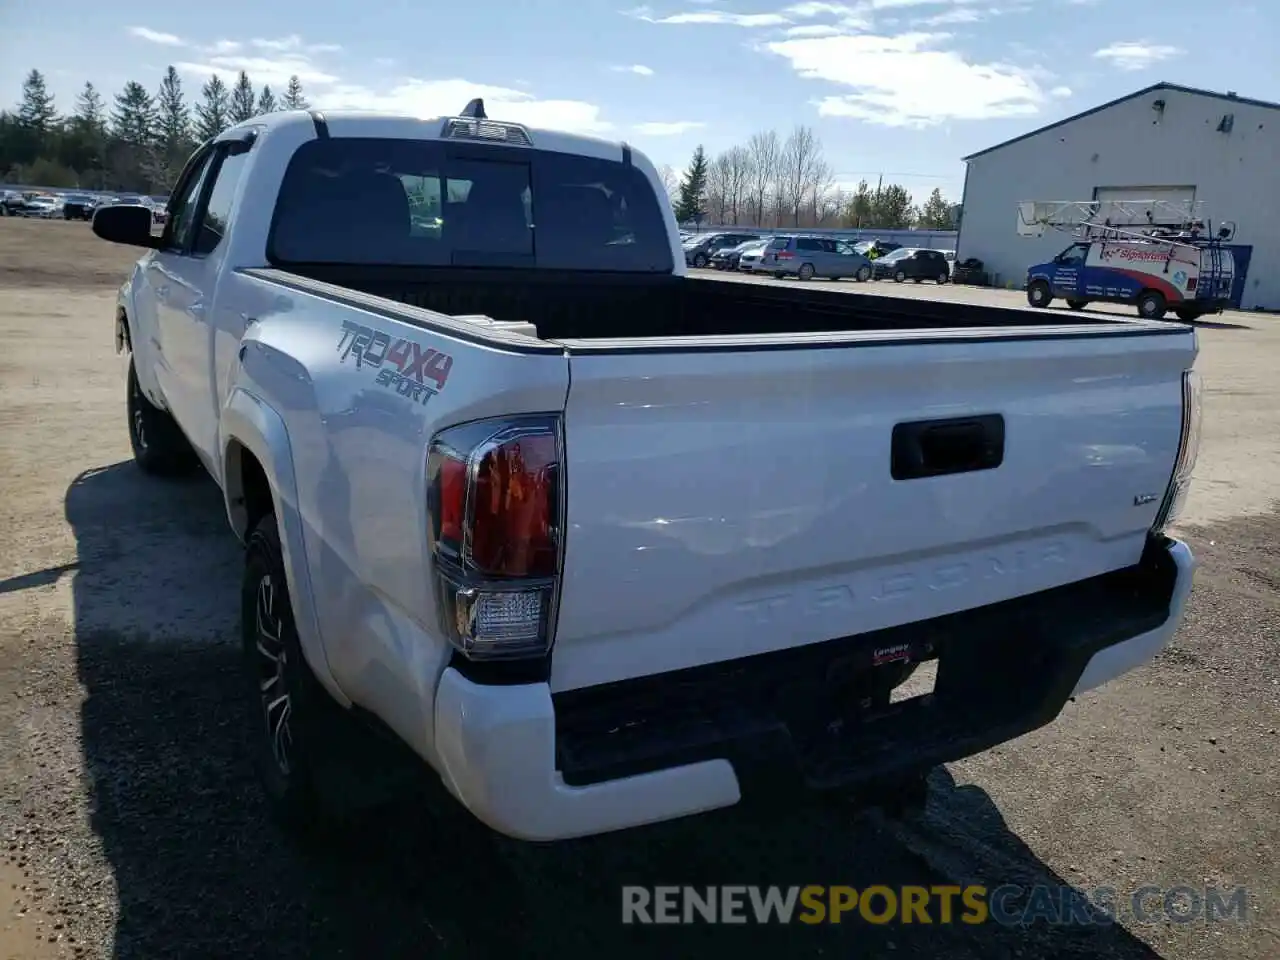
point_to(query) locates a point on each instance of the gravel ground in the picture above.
(130, 825)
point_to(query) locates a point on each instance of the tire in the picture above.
(917, 279)
(864, 274)
(319, 766)
(943, 278)
(1077, 304)
(159, 446)
(1187, 314)
(699, 260)
(906, 798)
(900, 277)
(1151, 305)
(778, 274)
(1039, 294)
(290, 710)
(806, 271)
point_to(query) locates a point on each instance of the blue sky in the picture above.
(899, 87)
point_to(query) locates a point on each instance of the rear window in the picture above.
(437, 203)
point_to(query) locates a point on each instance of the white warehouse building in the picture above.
(1165, 142)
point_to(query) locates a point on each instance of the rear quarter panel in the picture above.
(359, 444)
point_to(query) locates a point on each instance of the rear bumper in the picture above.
(542, 767)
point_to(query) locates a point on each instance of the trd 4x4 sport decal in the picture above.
(404, 366)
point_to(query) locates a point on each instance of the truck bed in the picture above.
(619, 306)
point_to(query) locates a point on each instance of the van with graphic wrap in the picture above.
(1156, 276)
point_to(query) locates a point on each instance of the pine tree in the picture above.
(36, 111)
(243, 102)
(936, 212)
(267, 101)
(693, 189)
(211, 115)
(861, 206)
(90, 114)
(174, 128)
(293, 98)
(134, 119)
(892, 208)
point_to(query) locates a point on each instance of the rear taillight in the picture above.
(494, 501)
(785, 255)
(1188, 452)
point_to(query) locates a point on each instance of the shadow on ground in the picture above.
(201, 872)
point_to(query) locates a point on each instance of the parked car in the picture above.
(808, 257)
(910, 263)
(12, 203)
(751, 259)
(43, 208)
(78, 206)
(762, 539)
(699, 251)
(159, 209)
(875, 249)
(729, 258)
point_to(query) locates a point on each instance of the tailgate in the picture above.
(729, 501)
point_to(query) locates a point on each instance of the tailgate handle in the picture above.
(935, 448)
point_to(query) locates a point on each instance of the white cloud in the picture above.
(293, 44)
(958, 15)
(639, 69)
(668, 128)
(815, 30)
(1060, 93)
(812, 9)
(155, 36)
(433, 98)
(898, 4)
(895, 81)
(1136, 55)
(711, 17)
(274, 60)
(274, 71)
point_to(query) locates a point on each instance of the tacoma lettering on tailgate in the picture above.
(404, 366)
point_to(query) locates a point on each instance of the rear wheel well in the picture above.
(249, 496)
(124, 339)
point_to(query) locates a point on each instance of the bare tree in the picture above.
(670, 179)
(764, 151)
(737, 176)
(818, 194)
(718, 189)
(801, 169)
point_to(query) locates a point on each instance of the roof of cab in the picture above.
(397, 126)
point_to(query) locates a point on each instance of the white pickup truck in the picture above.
(604, 544)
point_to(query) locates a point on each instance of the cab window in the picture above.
(1074, 255)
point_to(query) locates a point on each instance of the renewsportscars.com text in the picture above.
(1008, 905)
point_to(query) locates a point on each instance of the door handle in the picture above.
(935, 448)
(162, 290)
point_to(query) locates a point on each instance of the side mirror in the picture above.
(125, 223)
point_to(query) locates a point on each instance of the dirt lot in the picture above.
(130, 825)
